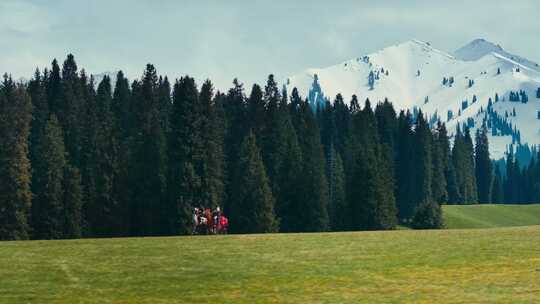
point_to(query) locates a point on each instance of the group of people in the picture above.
(208, 221)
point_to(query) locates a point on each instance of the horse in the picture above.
(209, 220)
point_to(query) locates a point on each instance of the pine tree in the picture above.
(454, 197)
(15, 170)
(405, 167)
(387, 124)
(428, 216)
(256, 111)
(463, 163)
(497, 193)
(289, 174)
(428, 212)
(124, 132)
(472, 196)
(48, 201)
(185, 155)
(370, 178)
(312, 186)
(73, 201)
(164, 102)
(40, 112)
(101, 204)
(281, 154)
(234, 110)
(148, 159)
(253, 211)
(423, 174)
(211, 132)
(386, 212)
(53, 83)
(484, 170)
(121, 106)
(512, 180)
(70, 110)
(440, 159)
(338, 208)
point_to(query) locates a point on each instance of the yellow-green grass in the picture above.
(489, 216)
(500, 265)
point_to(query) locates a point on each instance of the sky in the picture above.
(246, 39)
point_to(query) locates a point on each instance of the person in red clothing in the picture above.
(223, 223)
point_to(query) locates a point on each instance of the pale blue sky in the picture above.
(247, 39)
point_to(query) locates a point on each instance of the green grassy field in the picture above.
(490, 216)
(444, 266)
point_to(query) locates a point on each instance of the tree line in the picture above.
(81, 159)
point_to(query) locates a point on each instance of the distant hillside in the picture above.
(489, 216)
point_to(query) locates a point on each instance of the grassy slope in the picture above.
(445, 266)
(489, 216)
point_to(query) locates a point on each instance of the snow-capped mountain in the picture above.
(455, 88)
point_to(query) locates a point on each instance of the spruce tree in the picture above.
(440, 151)
(454, 197)
(497, 193)
(48, 201)
(123, 117)
(424, 164)
(370, 186)
(256, 110)
(40, 112)
(73, 201)
(121, 106)
(387, 123)
(53, 83)
(289, 173)
(164, 102)
(312, 185)
(405, 167)
(234, 110)
(185, 155)
(281, 154)
(472, 196)
(428, 215)
(15, 168)
(484, 170)
(253, 211)
(148, 159)
(70, 110)
(101, 205)
(211, 133)
(338, 208)
(463, 163)
(427, 212)
(386, 212)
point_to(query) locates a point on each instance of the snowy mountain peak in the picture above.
(477, 49)
(481, 84)
(414, 45)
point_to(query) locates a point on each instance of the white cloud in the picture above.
(246, 39)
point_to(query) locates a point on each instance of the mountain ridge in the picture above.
(455, 88)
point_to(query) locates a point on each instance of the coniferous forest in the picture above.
(84, 159)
